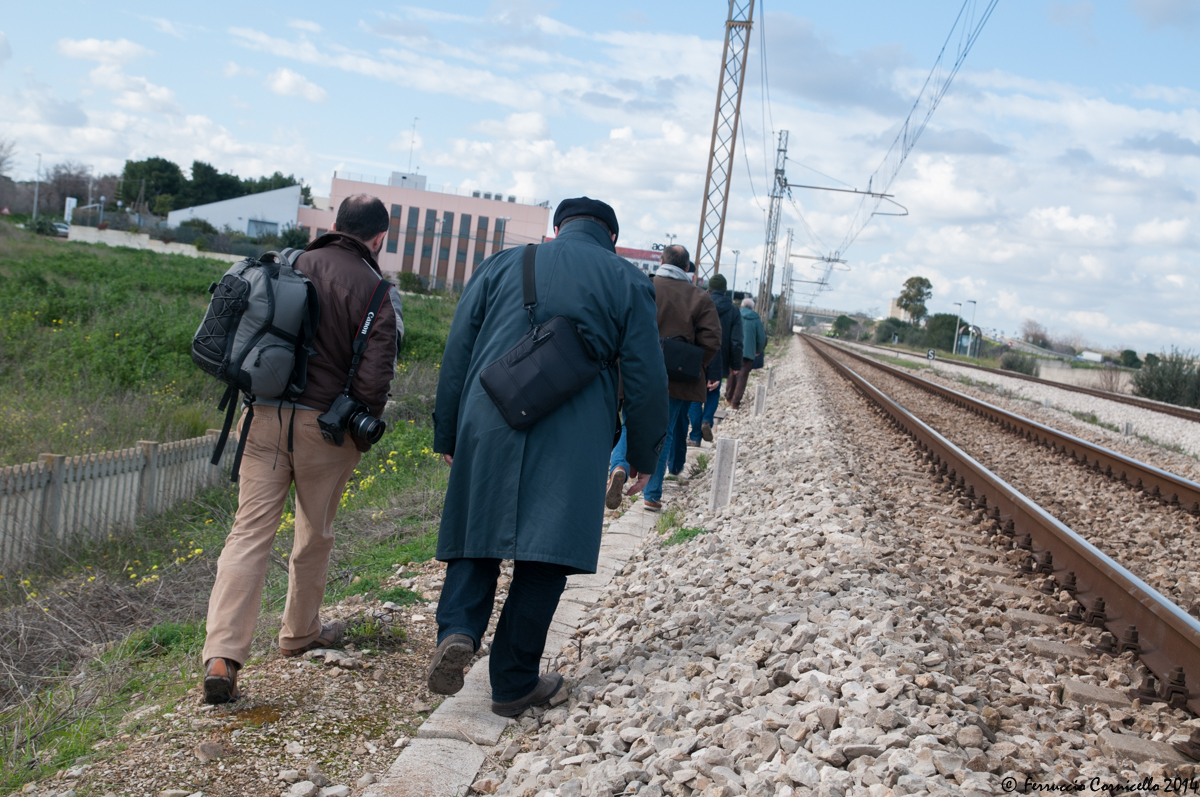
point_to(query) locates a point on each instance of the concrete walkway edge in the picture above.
(445, 756)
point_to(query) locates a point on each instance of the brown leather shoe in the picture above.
(616, 482)
(706, 431)
(220, 681)
(331, 637)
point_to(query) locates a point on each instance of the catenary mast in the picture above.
(724, 137)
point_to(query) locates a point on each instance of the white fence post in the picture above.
(148, 479)
(51, 514)
(760, 399)
(724, 465)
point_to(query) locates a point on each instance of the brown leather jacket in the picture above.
(345, 273)
(687, 311)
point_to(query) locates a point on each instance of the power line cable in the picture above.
(936, 84)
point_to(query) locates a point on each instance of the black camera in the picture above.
(348, 414)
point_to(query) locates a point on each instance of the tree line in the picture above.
(161, 186)
(153, 185)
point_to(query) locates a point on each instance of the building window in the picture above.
(393, 237)
(427, 242)
(257, 229)
(460, 256)
(498, 236)
(480, 240)
(443, 259)
(410, 238)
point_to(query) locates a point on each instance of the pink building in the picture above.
(441, 236)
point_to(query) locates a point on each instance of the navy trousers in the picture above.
(466, 606)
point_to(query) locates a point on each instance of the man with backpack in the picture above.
(314, 442)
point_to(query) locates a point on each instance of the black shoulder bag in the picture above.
(684, 360)
(549, 365)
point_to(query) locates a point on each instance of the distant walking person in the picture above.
(284, 446)
(754, 341)
(537, 496)
(688, 313)
(701, 416)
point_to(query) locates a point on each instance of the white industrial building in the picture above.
(266, 213)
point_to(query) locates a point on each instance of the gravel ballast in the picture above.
(842, 628)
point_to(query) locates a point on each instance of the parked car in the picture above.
(62, 227)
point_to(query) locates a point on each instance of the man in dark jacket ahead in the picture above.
(537, 496)
(687, 312)
(701, 415)
(284, 446)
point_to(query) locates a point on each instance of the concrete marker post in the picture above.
(724, 466)
(760, 399)
(771, 378)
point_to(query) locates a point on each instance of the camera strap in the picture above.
(359, 346)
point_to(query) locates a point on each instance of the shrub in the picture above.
(1173, 378)
(200, 225)
(293, 237)
(43, 226)
(410, 282)
(1021, 363)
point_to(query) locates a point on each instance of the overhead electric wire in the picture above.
(914, 124)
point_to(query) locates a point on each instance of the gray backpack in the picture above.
(257, 336)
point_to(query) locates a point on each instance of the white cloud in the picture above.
(135, 93)
(232, 70)
(1160, 233)
(305, 25)
(166, 26)
(105, 51)
(5, 49)
(531, 125)
(292, 84)
(1058, 223)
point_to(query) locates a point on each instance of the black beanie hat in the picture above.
(717, 283)
(583, 206)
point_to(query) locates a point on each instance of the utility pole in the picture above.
(957, 325)
(733, 285)
(37, 184)
(724, 137)
(412, 144)
(767, 277)
(783, 324)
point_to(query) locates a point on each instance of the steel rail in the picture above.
(1134, 401)
(1157, 483)
(1165, 638)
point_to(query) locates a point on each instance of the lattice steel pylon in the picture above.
(767, 274)
(724, 137)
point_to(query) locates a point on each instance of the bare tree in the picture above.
(64, 180)
(8, 153)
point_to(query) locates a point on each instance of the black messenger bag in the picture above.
(546, 367)
(684, 361)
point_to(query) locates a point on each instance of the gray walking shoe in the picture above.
(548, 686)
(446, 670)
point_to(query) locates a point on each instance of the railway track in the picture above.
(1105, 594)
(1187, 413)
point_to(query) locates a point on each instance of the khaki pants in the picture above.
(320, 471)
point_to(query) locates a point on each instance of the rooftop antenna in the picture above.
(412, 143)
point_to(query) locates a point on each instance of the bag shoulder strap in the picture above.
(359, 345)
(529, 280)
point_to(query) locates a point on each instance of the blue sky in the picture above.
(1057, 180)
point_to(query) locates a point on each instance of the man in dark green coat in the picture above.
(537, 496)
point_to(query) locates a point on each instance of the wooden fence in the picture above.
(48, 505)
